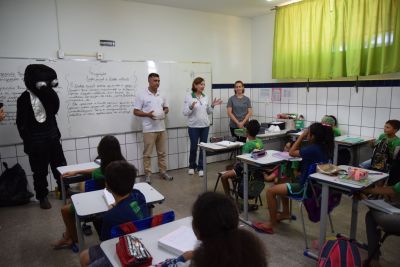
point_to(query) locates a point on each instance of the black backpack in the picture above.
(380, 157)
(256, 184)
(13, 186)
(394, 172)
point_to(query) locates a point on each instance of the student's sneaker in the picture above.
(201, 173)
(166, 176)
(191, 171)
(148, 179)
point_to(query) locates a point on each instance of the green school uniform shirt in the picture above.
(392, 143)
(250, 145)
(396, 188)
(336, 131)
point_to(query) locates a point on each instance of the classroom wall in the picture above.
(362, 113)
(39, 28)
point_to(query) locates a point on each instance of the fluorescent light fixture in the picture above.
(290, 2)
(151, 66)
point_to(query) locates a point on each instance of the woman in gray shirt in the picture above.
(239, 110)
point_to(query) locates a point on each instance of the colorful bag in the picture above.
(339, 253)
(380, 157)
(132, 253)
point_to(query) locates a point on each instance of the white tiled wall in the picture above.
(82, 150)
(360, 113)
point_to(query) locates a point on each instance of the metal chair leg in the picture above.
(331, 224)
(304, 225)
(216, 183)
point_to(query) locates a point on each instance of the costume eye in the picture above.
(40, 85)
(54, 83)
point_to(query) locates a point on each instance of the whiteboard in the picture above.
(96, 97)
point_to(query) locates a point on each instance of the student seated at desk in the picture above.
(216, 224)
(332, 121)
(320, 150)
(289, 170)
(389, 135)
(108, 150)
(253, 127)
(375, 219)
(130, 205)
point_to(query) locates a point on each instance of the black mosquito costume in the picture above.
(36, 121)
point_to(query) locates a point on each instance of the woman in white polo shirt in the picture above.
(197, 107)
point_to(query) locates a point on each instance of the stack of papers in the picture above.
(283, 155)
(227, 143)
(108, 197)
(380, 204)
(179, 241)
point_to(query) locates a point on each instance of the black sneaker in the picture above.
(45, 204)
(86, 229)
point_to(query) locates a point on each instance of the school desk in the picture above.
(346, 186)
(149, 238)
(264, 161)
(74, 179)
(354, 143)
(215, 149)
(91, 203)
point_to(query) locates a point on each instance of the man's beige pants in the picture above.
(160, 140)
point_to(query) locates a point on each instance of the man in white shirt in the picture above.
(152, 108)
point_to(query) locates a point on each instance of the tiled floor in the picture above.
(27, 231)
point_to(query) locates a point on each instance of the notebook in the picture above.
(108, 197)
(353, 140)
(179, 241)
(382, 205)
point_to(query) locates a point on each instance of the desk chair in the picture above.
(255, 189)
(377, 249)
(308, 186)
(139, 225)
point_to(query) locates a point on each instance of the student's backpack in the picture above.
(313, 202)
(13, 186)
(340, 252)
(256, 184)
(394, 172)
(380, 157)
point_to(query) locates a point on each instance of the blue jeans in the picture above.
(196, 134)
(366, 164)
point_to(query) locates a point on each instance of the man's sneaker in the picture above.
(201, 173)
(166, 176)
(191, 171)
(148, 179)
(44, 203)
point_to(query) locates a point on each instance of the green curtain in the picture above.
(321, 39)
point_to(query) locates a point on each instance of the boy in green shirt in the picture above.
(252, 143)
(389, 133)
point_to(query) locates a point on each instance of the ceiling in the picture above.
(242, 8)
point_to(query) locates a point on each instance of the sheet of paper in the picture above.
(179, 241)
(108, 197)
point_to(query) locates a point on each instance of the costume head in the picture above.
(39, 77)
(328, 120)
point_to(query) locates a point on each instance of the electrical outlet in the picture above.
(99, 56)
(60, 54)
